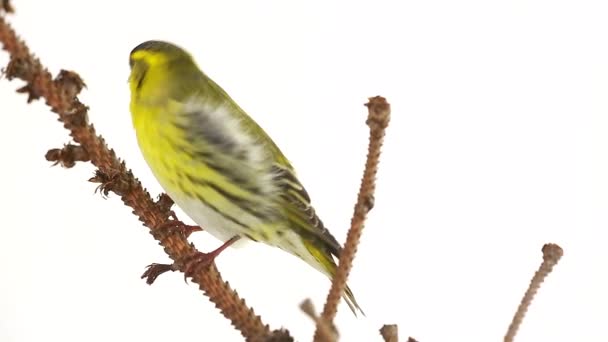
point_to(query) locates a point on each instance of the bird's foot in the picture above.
(203, 260)
(191, 264)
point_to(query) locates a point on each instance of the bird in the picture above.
(218, 165)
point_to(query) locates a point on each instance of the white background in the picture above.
(498, 144)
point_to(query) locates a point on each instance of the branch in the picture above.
(327, 332)
(377, 120)
(60, 95)
(390, 333)
(5, 5)
(551, 255)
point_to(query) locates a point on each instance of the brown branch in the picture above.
(5, 5)
(60, 95)
(551, 255)
(377, 120)
(327, 333)
(390, 333)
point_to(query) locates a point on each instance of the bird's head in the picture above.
(156, 59)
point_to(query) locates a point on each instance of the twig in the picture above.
(327, 333)
(377, 120)
(390, 333)
(60, 95)
(551, 255)
(6, 6)
(279, 335)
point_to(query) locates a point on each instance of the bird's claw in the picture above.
(196, 262)
(191, 264)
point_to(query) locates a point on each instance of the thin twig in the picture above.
(327, 333)
(60, 95)
(390, 333)
(377, 120)
(279, 335)
(5, 5)
(551, 255)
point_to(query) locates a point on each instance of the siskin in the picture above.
(217, 164)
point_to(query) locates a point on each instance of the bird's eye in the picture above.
(138, 73)
(141, 76)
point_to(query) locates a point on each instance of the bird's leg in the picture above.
(191, 264)
(173, 225)
(201, 259)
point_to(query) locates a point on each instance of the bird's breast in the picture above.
(202, 168)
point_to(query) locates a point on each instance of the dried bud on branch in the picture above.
(67, 156)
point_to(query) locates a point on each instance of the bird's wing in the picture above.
(293, 196)
(300, 212)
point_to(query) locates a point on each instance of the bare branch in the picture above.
(327, 332)
(280, 335)
(60, 94)
(390, 333)
(377, 120)
(551, 255)
(5, 5)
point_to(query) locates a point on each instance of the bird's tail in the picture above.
(328, 266)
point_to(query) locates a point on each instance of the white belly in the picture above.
(211, 221)
(224, 229)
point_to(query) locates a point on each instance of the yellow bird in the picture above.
(217, 164)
